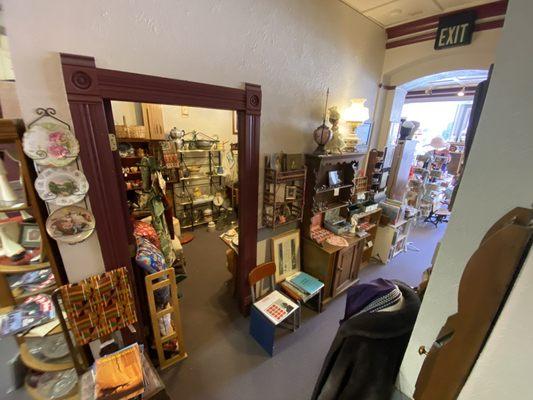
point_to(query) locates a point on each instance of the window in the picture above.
(448, 119)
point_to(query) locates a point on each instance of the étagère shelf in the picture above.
(283, 196)
(33, 259)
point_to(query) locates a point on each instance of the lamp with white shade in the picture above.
(355, 115)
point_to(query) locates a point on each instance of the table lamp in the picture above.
(355, 115)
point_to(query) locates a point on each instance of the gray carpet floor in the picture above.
(224, 362)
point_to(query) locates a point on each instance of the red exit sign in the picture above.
(455, 30)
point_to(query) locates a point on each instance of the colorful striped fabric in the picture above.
(99, 305)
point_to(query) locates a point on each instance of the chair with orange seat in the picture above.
(270, 307)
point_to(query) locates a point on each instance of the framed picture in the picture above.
(364, 132)
(286, 254)
(30, 236)
(290, 192)
(294, 161)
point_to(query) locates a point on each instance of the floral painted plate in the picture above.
(61, 186)
(71, 224)
(50, 144)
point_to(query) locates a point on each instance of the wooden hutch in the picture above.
(337, 267)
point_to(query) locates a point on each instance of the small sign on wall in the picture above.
(455, 30)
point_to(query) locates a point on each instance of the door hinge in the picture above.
(112, 141)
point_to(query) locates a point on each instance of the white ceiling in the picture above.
(442, 80)
(394, 12)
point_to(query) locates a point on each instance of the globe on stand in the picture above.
(322, 136)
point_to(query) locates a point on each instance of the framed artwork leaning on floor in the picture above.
(286, 254)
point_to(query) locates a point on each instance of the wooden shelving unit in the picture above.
(336, 267)
(371, 221)
(280, 208)
(378, 168)
(11, 133)
(391, 240)
(319, 195)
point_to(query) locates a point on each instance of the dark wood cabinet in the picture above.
(319, 195)
(343, 269)
(337, 267)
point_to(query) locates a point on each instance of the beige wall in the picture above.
(498, 177)
(406, 63)
(208, 121)
(293, 49)
(9, 100)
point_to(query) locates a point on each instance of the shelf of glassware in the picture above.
(35, 395)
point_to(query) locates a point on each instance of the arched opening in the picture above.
(424, 143)
(441, 102)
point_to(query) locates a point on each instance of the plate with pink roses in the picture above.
(50, 144)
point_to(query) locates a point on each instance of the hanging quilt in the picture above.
(99, 305)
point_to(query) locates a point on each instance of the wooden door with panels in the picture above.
(347, 267)
(343, 269)
(486, 283)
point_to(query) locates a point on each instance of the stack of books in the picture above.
(34, 311)
(304, 285)
(119, 375)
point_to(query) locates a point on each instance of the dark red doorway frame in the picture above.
(89, 91)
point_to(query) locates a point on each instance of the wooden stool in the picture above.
(186, 237)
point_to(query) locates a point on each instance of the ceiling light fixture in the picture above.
(461, 92)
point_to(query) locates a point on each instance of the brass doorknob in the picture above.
(422, 350)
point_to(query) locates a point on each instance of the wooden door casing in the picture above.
(89, 88)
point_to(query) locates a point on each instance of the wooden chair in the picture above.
(261, 328)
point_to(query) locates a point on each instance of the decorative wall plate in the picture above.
(61, 186)
(71, 224)
(126, 150)
(50, 144)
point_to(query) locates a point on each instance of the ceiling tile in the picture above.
(450, 4)
(403, 11)
(363, 5)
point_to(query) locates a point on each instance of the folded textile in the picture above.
(360, 295)
(383, 302)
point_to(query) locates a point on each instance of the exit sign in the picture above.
(455, 30)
